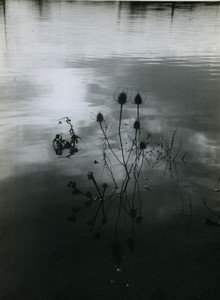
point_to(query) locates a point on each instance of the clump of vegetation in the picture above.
(61, 145)
(130, 154)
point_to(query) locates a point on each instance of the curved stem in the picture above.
(121, 143)
(108, 143)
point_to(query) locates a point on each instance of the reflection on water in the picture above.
(122, 194)
(66, 59)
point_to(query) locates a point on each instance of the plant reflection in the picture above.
(130, 154)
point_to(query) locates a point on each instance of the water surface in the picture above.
(67, 58)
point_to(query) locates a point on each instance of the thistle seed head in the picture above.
(138, 99)
(99, 118)
(137, 125)
(143, 145)
(122, 98)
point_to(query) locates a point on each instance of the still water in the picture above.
(67, 58)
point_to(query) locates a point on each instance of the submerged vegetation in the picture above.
(134, 149)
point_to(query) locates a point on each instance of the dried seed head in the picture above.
(143, 145)
(139, 219)
(122, 98)
(137, 125)
(104, 185)
(138, 99)
(99, 118)
(71, 184)
(90, 175)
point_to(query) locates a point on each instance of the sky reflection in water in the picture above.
(67, 58)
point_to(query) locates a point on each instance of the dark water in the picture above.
(67, 58)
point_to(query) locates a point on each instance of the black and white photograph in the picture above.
(109, 150)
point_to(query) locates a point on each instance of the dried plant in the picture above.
(130, 155)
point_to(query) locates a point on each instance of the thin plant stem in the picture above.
(120, 139)
(109, 145)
